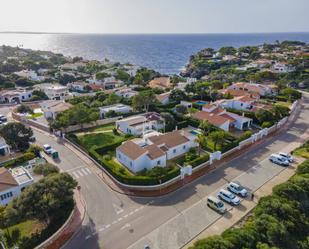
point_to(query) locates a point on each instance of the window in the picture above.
(158, 162)
(184, 147)
(241, 104)
(22, 97)
(174, 151)
(119, 156)
(131, 164)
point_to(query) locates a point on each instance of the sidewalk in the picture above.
(235, 215)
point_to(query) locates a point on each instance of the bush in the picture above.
(267, 124)
(45, 169)
(197, 161)
(245, 136)
(24, 109)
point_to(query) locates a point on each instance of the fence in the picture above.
(31, 122)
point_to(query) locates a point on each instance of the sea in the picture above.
(165, 53)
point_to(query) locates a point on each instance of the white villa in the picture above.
(260, 89)
(138, 124)
(30, 74)
(51, 108)
(12, 183)
(283, 68)
(11, 96)
(118, 108)
(54, 91)
(154, 149)
(221, 118)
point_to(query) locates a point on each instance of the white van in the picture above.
(278, 159)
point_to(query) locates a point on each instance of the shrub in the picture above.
(245, 136)
(19, 160)
(197, 161)
(267, 124)
(45, 169)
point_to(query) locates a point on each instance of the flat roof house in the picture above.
(54, 91)
(12, 183)
(153, 150)
(118, 108)
(18, 95)
(138, 124)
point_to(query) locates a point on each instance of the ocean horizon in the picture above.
(166, 53)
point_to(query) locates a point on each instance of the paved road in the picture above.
(116, 221)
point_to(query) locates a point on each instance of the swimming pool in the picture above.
(195, 132)
(201, 102)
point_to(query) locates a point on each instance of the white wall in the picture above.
(225, 126)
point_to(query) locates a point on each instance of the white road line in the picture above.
(114, 222)
(125, 216)
(75, 175)
(87, 237)
(84, 171)
(88, 170)
(119, 219)
(107, 226)
(101, 229)
(80, 173)
(131, 213)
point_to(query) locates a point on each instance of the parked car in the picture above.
(216, 204)
(287, 156)
(229, 197)
(47, 149)
(237, 189)
(3, 119)
(280, 160)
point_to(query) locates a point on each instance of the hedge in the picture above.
(19, 160)
(198, 161)
(111, 167)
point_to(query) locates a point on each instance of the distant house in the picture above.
(106, 83)
(154, 150)
(125, 92)
(51, 108)
(244, 103)
(138, 124)
(78, 86)
(54, 91)
(283, 68)
(30, 74)
(260, 89)
(117, 108)
(216, 120)
(261, 63)
(163, 98)
(4, 148)
(160, 82)
(12, 183)
(15, 96)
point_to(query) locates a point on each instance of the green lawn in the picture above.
(27, 228)
(287, 104)
(99, 139)
(302, 151)
(35, 115)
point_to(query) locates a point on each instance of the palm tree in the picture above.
(205, 127)
(217, 137)
(201, 140)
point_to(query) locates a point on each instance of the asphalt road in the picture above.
(115, 221)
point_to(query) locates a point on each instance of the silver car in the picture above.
(229, 197)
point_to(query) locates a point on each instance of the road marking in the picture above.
(114, 222)
(80, 173)
(107, 226)
(125, 226)
(75, 175)
(101, 229)
(84, 171)
(88, 170)
(117, 209)
(125, 216)
(131, 213)
(74, 168)
(119, 219)
(87, 237)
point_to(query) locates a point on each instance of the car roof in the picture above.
(235, 184)
(214, 199)
(225, 191)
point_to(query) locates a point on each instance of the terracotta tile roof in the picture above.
(163, 96)
(7, 181)
(218, 110)
(212, 118)
(95, 87)
(161, 82)
(226, 115)
(170, 139)
(154, 151)
(132, 150)
(246, 98)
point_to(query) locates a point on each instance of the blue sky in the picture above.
(155, 16)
